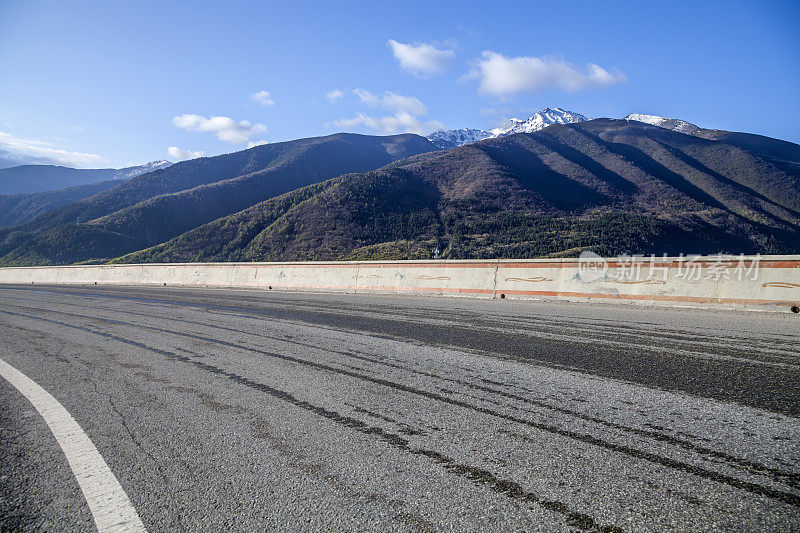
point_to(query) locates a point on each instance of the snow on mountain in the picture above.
(130, 172)
(546, 117)
(538, 121)
(452, 138)
(674, 124)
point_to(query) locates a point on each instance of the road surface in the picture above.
(240, 410)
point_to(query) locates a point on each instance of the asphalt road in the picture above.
(241, 410)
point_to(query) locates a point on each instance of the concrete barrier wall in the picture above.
(766, 282)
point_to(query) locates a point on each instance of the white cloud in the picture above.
(392, 101)
(398, 102)
(421, 60)
(366, 96)
(263, 98)
(261, 142)
(402, 118)
(226, 129)
(400, 122)
(179, 155)
(29, 151)
(359, 120)
(334, 95)
(505, 76)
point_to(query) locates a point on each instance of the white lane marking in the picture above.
(110, 507)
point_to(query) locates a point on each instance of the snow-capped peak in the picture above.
(131, 172)
(538, 121)
(674, 124)
(452, 138)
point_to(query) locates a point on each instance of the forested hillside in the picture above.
(160, 205)
(612, 186)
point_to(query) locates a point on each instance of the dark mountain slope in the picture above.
(713, 172)
(608, 185)
(370, 151)
(16, 209)
(758, 144)
(163, 217)
(163, 204)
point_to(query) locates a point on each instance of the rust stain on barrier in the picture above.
(615, 296)
(655, 298)
(782, 284)
(434, 277)
(537, 279)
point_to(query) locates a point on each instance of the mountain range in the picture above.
(447, 139)
(16, 209)
(612, 186)
(607, 185)
(157, 206)
(25, 179)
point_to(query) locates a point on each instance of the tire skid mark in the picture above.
(781, 476)
(646, 344)
(754, 488)
(613, 336)
(614, 341)
(636, 331)
(738, 349)
(261, 429)
(477, 475)
(391, 311)
(734, 356)
(645, 335)
(405, 429)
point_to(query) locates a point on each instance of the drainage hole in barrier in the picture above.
(795, 309)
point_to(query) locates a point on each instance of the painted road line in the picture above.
(110, 507)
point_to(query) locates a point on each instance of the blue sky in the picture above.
(100, 84)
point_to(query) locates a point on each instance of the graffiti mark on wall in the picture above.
(536, 279)
(638, 282)
(781, 284)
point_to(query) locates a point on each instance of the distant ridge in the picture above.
(16, 209)
(159, 205)
(26, 179)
